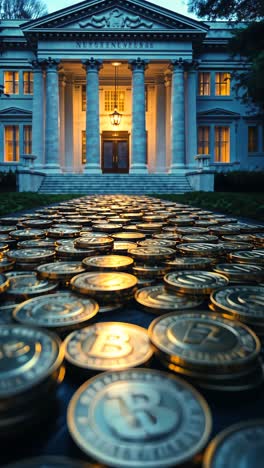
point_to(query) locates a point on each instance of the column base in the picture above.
(177, 168)
(138, 169)
(52, 168)
(92, 169)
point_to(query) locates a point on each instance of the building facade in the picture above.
(170, 77)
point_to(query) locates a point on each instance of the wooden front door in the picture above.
(115, 152)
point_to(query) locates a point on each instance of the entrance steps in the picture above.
(131, 184)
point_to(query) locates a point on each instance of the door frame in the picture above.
(114, 136)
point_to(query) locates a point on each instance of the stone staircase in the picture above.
(131, 184)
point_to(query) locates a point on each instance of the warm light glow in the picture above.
(115, 118)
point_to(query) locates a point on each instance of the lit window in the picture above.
(11, 82)
(204, 84)
(203, 140)
(11, 143)
(28, 82)
(84, 98)
(27, 139)
(222, 144)
(252, 139)
(109, 99)
(222, 84)
(83, 147)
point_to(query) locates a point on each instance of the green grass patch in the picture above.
(12, 201)
(242, 204)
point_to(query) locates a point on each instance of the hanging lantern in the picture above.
(115, 117)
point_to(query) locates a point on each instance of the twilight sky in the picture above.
(180, 6)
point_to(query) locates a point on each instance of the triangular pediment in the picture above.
(115, 15)
(218, 112)
(15, 112)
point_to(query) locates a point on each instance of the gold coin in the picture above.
(108, 262)
(157, 299)
(115, 415)
(31, 255)
(60, 270)
(151, 254)
(150, 271)
(29, 356)
(123, 247)
(251, 256)
(129, 236)
(240, 445)
(195, 282)
(104, 285)
(107, 227)
(204, 341)
(70, 252)
(93, 242)
(108, 346)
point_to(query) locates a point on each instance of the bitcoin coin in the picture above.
(204, 341)
(158, 243)
(129, 236)
(28, 285)
(4, 283)
(68, 251)
(201, 248)
(240, 445)
(251, 256)
(37, 223)
(240, 272)
(151, 254)
(195, 282)
(190, 263)
(93, 242)
(60, 270)
(63, 232)
(108, 262)
(166, 235)
(37, 244)
(108, 346)
(28, 357)
(26, 234)
(31, 255)
(243, 302)
(157, 299)
(60, 311)
(171, 408)
(150, 271)
(107, 227)
(196, 238)
(105, 286)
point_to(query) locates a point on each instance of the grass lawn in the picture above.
(243, 204)
(13, 201)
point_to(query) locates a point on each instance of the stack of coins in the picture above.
(212, 352)
(243, 303)
(31, 369)
(195, 282)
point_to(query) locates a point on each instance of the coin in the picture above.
(60, 311)
(190, 263)
(240, 272)
(240, 445)
(195, 282)
(4, 283)
(251, 256)
(232, 247)
(157, 299)
(150, 271)
(107, 227)
(166, 235)
(199, 248)
(243, 302)
(122, 247)
(28, 285)
(6, 264)
(37, 244)
(197, 238)
(68, 251)
(129, 236)
(31, 255)
(93, 242)
(26, 234)
(108, 346)
(151, 254)
(29, 356)
(104, 285)
(121, 398)
(60, 270)
(63, 232)
(108, 262)
(37, 223)
(204, 341)
(158, 243)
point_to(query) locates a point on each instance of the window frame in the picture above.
(27, 139)
(220, 143)
(15, 143)
(14, 83)
(225, 82)
(203, 84)
(29, 82)
(203, 142)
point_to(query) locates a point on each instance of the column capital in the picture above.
(192, 66)
(178, 65)
(92, 64)
(38, 65)
(138, 64)
(52, 64)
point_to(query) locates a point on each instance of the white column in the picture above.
(160, 128)
(92, 68)
(62, 86)
(168, 120)
(178, 114)
(38, 114)
(69, 153)
(139, 138)
(52, 162)
(191, 120)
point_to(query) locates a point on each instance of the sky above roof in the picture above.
(180, 6)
